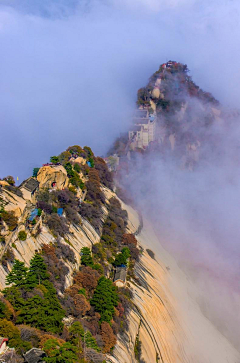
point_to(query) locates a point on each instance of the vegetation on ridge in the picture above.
(78, 323)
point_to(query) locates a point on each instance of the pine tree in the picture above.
(76, 331)
(18, 275)
(86, 257)
(105, 298)
(60, 354)
(37, 273)
(120, 260)
(44, 312)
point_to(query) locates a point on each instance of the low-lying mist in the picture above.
(195, 213)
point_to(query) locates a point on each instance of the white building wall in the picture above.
(146, 135)
(145, 139)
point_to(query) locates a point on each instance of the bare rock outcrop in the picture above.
(52, 176)
(12, 202)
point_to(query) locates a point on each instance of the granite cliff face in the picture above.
(165, 323)
(166, 318)
(52, 175)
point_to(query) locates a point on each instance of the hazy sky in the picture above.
(70, 69)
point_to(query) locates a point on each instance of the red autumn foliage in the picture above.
(87, 278)
(109, 339)
(129, 239)
(120, 309)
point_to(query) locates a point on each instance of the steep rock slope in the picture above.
(80, 236)
(167, 319)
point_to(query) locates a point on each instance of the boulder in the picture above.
(52, 176)
(156, 92)
(34, 355)
(12, 202)
(79, 160)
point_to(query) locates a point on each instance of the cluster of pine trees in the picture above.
(80, 323)
(31, 314)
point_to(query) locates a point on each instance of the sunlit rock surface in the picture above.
(55, 175)
(170, 324)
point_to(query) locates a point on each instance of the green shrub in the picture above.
(88, 150)
(7, 329)
(60, 353)
(54, 209)
(82, 291)
(105, 298)
(150, 253)
(64, 157)
(54, 159)
(98, 268)
(77, 167)
(22, 235)
(10, 219)
(76, 181)
(35, 172)
(91, 161)
(86, 257)
(2, 239)
(69, 169)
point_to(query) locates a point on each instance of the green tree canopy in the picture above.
(7, 329)
(121, 258)
(77, 333)
(22, 235)
(76, 180)
(14, 296)
(86, 256)
(18, 274)
(60, 353)
(64, 157)
(54, 159)
(77, 167)
(126, 252)
(75, 149)
(35, 172)
(43, 310)
(37, 271)
(105, 298)
(88, 150)
(5, 312)
(69, 169)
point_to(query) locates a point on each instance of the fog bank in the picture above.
(195, 212)
(70, 69)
